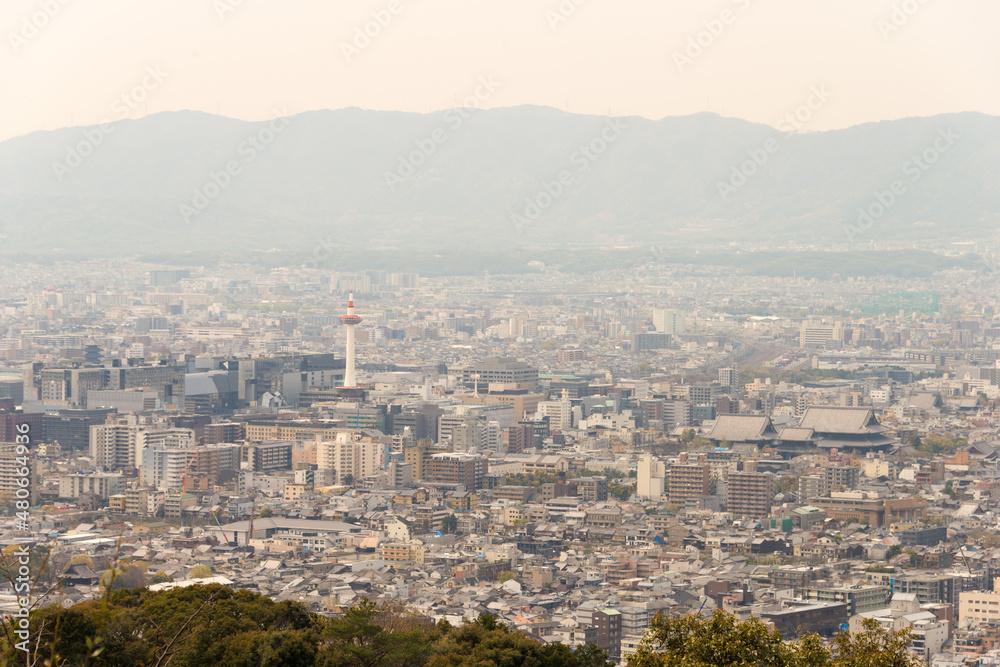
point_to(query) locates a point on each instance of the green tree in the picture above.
(359, 640)
(449, 524)
(785, 483)
(719, 641)
(506, 575)
(722, 641)
(123, 577)
(200, 572)
(161, 578)
(592, 655)
(874, 645)
(488, 643)
(349, 479)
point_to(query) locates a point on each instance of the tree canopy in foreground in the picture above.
(214, 626)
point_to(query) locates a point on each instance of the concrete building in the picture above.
(689, 481)
(609, 631)
(452, 468)
(668, 321)
(102, 485)
(354, 455)
(750, 493)
(979, 607)
(651, 478)
(271, 456)
(496, 369)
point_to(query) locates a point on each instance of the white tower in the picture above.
(351, 320)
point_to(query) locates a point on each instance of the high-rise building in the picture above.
(451, 468)
(11, 467)
(730, 377)
(750, 493)
(689, 481)
(419, 456)
(461, 432)
(609, 631)
(651, 478)
(559, 413)
(119, 442)
(520, 437)
(351, 454)
(668, 321)
(270, 456)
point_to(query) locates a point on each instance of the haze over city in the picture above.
(479, 333)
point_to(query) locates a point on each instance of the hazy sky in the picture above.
(244, 58)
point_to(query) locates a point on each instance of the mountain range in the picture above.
(355, 180)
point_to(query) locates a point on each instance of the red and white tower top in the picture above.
(350, 317)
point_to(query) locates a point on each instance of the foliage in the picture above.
(620, 492)
(986, 539)
(610, 474)
(123, 577)
(506, 575)
(161, 578)
(874, 646)
(592, 655)
(82, 559)
(785, 484)
(213, 626)
(200, 572)
(933, 443)
(723, 641)
(533, 479)
(449, 524)
(361, 639)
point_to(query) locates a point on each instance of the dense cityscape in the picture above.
(570, 453)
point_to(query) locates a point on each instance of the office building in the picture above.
(668, 321)
(497, 370)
